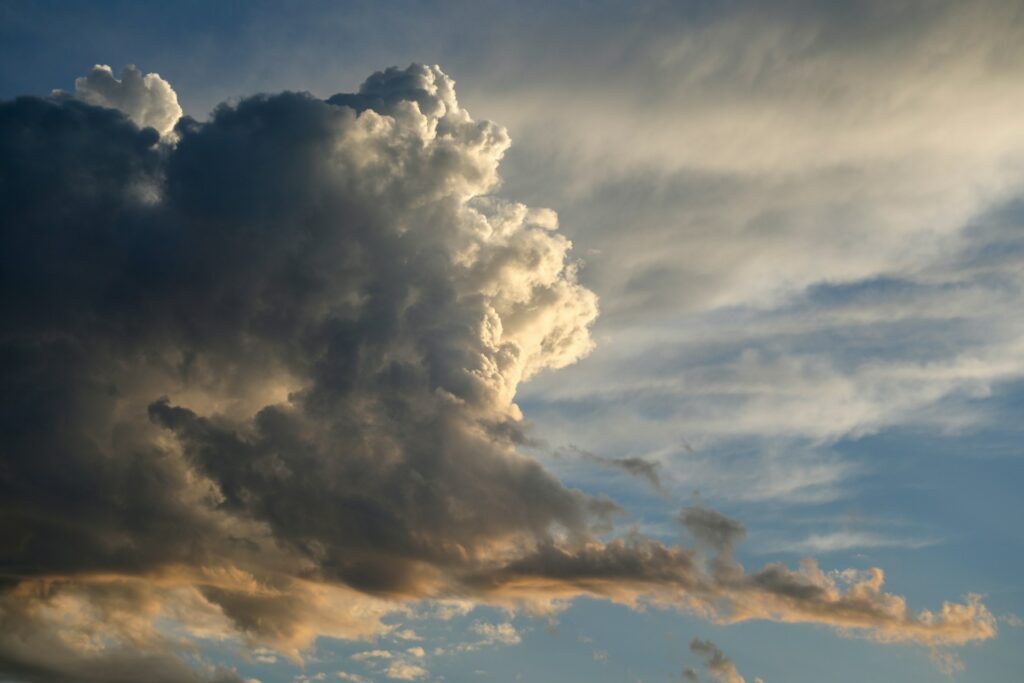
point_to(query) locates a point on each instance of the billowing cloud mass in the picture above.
(148, 100)
(259, 380)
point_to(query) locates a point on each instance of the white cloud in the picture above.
(406, 634)
(353, 678)
(849, 540)
(147, 99)
(1012, 620)
(371, 654)
(405, 671)
(504, 633)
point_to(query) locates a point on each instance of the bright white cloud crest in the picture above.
(147, 99)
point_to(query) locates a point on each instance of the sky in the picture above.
(539, 341)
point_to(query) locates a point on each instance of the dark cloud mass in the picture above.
(259, 375)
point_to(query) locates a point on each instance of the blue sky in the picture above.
(803, 226)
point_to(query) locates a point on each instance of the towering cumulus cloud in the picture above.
(258, 381)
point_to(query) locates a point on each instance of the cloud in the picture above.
(396, 665)
(718, 666)
(504, 633)
(371, 654)
(636, 570)
(489, 634)
(259, 385)
(715, 530)
(147, 99)
(847, 540)
(405, 671)
(353, 678)
(406, 634)
(792, 218)
(52, 633)
(637, 467)
(294, 363)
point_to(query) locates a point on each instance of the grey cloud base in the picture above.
(259, 377)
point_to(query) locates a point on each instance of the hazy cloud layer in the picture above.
(259, 379)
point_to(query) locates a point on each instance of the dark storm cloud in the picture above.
(282, 342)
(265, 257)
(258, 380)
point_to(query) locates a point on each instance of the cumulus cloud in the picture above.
(405, 671)
(504, 633)
(406, 634)
(273, 398)
(353, 678)
(396, 665)
(147, 99)
(489, 635)
(101, 633)
(717, 665)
